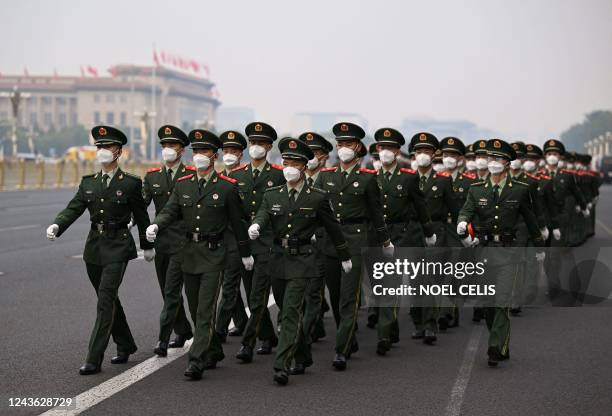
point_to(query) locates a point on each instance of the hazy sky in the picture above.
(528, 69)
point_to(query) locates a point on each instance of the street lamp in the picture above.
(15, 96)
(145, 120)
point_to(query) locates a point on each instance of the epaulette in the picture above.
(443, 174)
(131, 175)
(227, 178)
(479, 183)
(153, 170)
(408, 170)
(89, 175)
(322, 191)
(274, 188)
(469, 175)
(191, 168)
(532, 176)
(568, 171)
(182, 178)
(520, 182)
(244, 165)
(545, 177)
(329, 169)
(366, 170)
(275, 166)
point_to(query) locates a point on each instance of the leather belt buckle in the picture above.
(284, 242)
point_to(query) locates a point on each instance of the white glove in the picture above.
(52, 231)
(590, 206)
(149, 254)
(248, 263)
(462, 228)
(313, 239)
(578, 209)
(347, 266)
(557, 234)
(540, 257)
(586, 213)
(254, 232)
(469, 241)
(388, 250)
(130, 224)
(431, 241)
(151, 232)
(545, 233)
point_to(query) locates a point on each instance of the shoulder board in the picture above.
(545, 177)
(365, 170)
(153, 170)
(131, 175)
(468, 175)
(275, 166)
(274, 188)
(182, 178)
(520, 182)
(443, 174)
(329, 169)
(191, 168)
(532, 176)
(243, 166)
(542, 171)
(89, 175)
(227, 178)
(319, 190)
(479, 183)
(408, 170)
(568, 171)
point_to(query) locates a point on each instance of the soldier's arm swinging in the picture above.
(236, 218)
(375, 215)
(526, 209)
(73, 210)
(140, 215)
(170, 212)
(333, 229)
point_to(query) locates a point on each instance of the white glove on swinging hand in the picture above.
(431, 241)
(388, 250)
(130, 224)
(462, 228)
(586, 213)
(557, 234)
(578, 209)
(590, 206)
(254, 232)
(151, 232)
(470, 242)
(52, 231)
(313, 239)
(149, 254)
(545, 233)
(540, 256)
(347, 266)
(248, 263)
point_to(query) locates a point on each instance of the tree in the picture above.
(595, 124)
(60, 140)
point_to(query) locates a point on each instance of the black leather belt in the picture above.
(358, 220)
(395, 221)
(108, 226)
(215, 238)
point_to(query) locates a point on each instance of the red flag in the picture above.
(93, 71)
(155, 57)
(113, 71)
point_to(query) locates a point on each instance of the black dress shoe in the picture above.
(88, 369)
(222, 337)
(418, 334)
(494, 357)
(120, 358)
(266, 346)
(298, 369)
(429, 337)
(179, 341)
(211, 362)
(443, 323)
(193, 372)
(339, 362)
(161, 349)
(235, 332)
(383, 346)
(281, 377)
(372, 321)
(395, 339)
(245, 354)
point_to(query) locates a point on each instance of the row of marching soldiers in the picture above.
(298, 229)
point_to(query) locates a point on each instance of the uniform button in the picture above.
(197, 217)
(286, 235)
(253, 203)
(290, 214)
(197, 229)
(168, 192)
(252, 212)
(384, 206)
(496, 206)
(495, 226)
(340, 193)
(385, 195)
(337, 215)
(496, 217)
(101, 211)
(339, 204)
(385, 216)
(358, 230)
(198, 205)
(101, 199)
(254, 192)
(288, 225)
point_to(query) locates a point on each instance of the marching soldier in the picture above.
(157, 187)
(498, 202)
(480, 158)
(470, 159)
(252, 180)
(232, 306)
(355, 199)
(375, 162)
(112, 197)
(294, 211)
(401, 199)
(209, 204)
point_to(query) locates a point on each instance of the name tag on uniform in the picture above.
(512, 200)
(331, 184)
(306, 209)
(483, 201)
(241, 183)
(276, 207)
(156, 185)
(89, 192)
(186, 196)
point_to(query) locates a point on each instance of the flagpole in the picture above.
(153, 109)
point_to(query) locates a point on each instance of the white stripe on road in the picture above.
(20, 227)
(604, 226)
(458, 392)
(114, 385)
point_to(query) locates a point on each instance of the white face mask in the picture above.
(377, 164)
(569, 166)
(257, 152)
(414, 165)
(201, 161)
(346, 154)
(230, 159)
(495, 167)
(552, 160)
(292, 174)
(515, 164)
(561, 164)
(387, 157)
(470, 165)
(423, 160)
(541, 163)
(481, 163)
(529, 165)
(438, 167)
(449, 162)
(169, 154)
(105, 156)
(313, 163)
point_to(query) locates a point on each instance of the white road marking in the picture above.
(458, 392)
(120, 382)
(604, 226)
(20, 227)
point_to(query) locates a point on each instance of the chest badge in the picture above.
(156, 185)
(215, 196)
(89, 192)
(434, 188)
(270, 183)
(356, 184)
(460, 189)
(399, 187)
(119, 192)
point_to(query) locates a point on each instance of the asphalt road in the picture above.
(560, 361)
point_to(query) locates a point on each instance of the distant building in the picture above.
(467, 131)
(234, 118)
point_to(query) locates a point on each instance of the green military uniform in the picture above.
(293, 212)
(157, 187)
(232, 305)
(498, 207)
(111, 201)
(208, 205)
(401, 200)
(355, 199)
(252, 183)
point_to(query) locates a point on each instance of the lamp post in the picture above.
(145, 119)
(16, 97)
